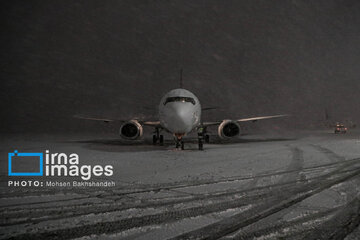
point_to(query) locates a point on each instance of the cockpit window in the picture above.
(179, 99)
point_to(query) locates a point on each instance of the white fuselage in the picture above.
(179, 112)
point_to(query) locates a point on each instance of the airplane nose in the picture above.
(182, 118)
(181, 113)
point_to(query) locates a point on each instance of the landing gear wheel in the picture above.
(207, 138)
(161, 140)
(182, 145)
(154, 139)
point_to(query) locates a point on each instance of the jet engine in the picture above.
(228, 129)
(131, 130)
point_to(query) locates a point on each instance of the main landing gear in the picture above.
(157, 137)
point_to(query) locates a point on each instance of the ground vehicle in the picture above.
(340, 128)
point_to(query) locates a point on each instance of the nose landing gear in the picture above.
(179, 141)
(202, 136)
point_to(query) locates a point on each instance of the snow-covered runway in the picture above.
(299, 186)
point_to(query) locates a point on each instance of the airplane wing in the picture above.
(107, 120)
(94, 119)
(208, 108)
(151, 123)
(252, 119)
(206, 124)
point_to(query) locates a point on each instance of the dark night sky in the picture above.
(117, 58)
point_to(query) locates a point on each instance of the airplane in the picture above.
(180, 114)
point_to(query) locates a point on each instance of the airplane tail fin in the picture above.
(181, 80)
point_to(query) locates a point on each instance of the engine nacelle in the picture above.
(131, 130)
(228, 129)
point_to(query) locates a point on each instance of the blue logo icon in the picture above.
(15, 154)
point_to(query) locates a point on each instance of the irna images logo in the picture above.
(17, 167)
(53, 164)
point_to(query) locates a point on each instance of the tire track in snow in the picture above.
(295, 167)
(339, 226)
(265, 208)
(279, 227)
(37, 215)
(238, 221)
(32, 216)
(334, 157)
(170, 186)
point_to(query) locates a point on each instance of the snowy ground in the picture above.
(271, 186)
